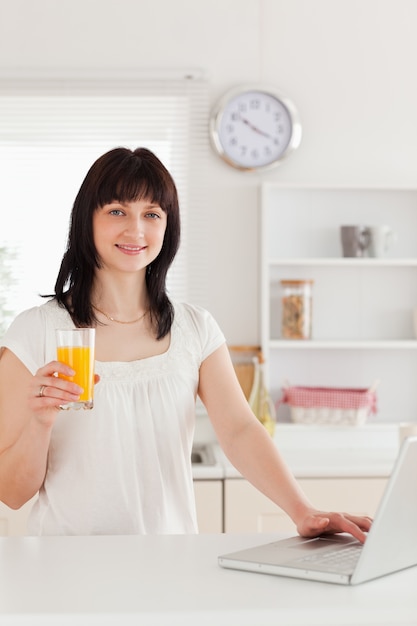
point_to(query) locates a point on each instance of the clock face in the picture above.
(253, 129)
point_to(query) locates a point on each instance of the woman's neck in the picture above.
(124, 297)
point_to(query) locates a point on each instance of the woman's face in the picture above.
(128, 236)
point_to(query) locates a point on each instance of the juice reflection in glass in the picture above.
(75, 347)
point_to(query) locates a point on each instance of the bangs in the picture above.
(134, 181)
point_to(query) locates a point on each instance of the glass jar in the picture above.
(243, 362)
(296, 309)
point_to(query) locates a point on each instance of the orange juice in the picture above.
(75, 347)
(81, 359)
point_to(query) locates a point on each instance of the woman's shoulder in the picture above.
(196, 321)
(31, 334)
(38, 321)
(49, 311)
(192, 313)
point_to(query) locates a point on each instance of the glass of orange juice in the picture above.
(75, 347)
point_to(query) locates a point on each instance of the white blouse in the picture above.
(123, 467)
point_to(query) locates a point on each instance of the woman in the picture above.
(124, 467)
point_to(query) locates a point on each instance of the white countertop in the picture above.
(176, 581)
(323, 451)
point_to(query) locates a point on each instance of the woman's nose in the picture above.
(135, 227)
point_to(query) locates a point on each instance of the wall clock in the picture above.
(254, 127)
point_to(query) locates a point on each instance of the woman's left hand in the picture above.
(317, 523)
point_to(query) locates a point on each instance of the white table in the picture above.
(176, 581)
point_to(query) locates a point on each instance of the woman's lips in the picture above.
(128, 249)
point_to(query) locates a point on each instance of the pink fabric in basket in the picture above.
(333, 398)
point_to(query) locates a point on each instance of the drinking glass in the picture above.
(75, 347)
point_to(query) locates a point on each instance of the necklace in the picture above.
(112, 319)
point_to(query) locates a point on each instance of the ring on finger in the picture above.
(41, 390)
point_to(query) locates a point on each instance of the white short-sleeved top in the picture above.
(123, 467)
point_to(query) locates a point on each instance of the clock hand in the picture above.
(254, 128)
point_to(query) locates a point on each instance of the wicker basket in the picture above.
(330, 405)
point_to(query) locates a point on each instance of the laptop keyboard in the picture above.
(340, 560)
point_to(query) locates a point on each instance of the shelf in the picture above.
(363, 307)
(343, 262)
(314, 344)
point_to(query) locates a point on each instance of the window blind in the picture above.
(53, 129)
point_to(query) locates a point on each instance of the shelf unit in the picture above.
(362, 307)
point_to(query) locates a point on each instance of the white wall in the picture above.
(349, 65)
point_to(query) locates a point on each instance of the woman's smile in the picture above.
(129, 249)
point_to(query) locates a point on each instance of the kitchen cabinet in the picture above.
(362, 319)
(209, 503)
(248, 510)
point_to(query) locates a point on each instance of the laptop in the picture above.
(391, 544)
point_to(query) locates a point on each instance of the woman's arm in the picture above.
(250, 449)
(26, 422)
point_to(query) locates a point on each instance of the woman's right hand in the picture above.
(47, 390)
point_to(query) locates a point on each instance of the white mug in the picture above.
(381, 240)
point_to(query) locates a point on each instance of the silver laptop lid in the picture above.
(391, 544)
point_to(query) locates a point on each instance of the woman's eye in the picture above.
(116, 212)
(152, 214)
